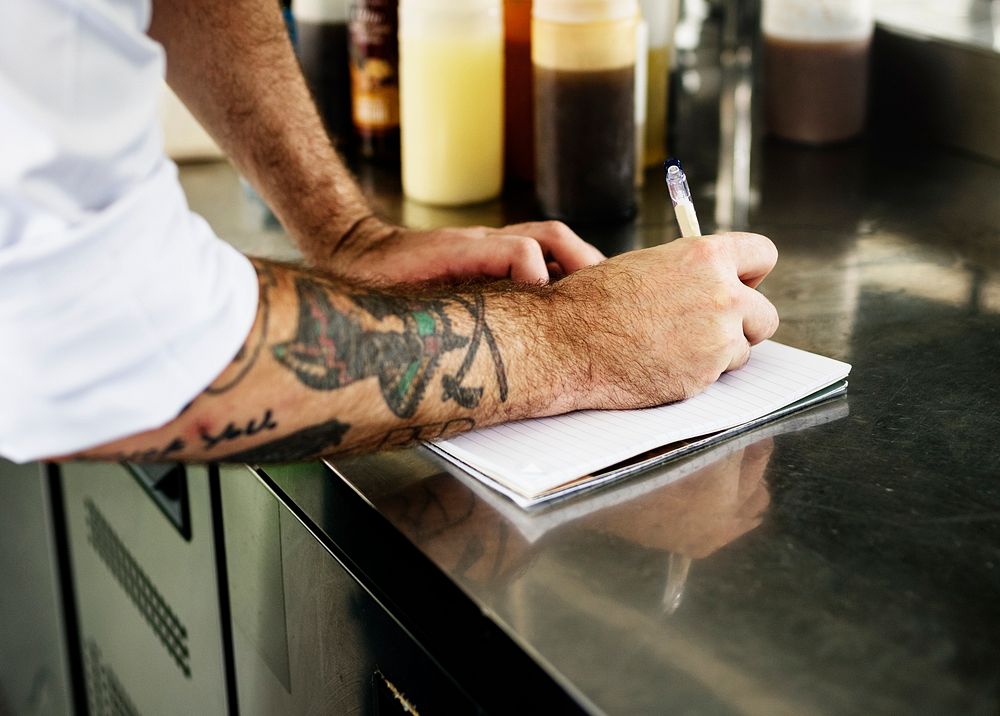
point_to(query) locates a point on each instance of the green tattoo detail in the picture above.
(331, 350)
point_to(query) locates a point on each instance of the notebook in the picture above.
(534, 461)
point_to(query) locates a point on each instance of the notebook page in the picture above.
(532, 457)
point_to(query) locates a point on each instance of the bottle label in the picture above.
(374, 65)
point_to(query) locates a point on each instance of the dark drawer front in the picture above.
(308, 638)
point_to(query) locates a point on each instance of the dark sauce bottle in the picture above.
(323, 54)
(584, 91)
(585, 171)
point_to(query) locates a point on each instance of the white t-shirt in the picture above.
(117, 304)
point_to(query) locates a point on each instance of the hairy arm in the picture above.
(232, 64)
(332, 366)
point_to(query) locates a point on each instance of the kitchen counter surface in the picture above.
(842, 561)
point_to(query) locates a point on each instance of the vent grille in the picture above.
(105, 694)
(161, 618)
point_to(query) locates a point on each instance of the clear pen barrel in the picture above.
(677, 185)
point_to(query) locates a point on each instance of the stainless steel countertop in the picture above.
(844, 561)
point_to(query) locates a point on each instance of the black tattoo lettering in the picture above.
(152, 455)
(232, 431)
(307, 443)
(401, 437)
(330, 349)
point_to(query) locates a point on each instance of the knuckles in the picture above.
(561, 230)
(707, 251)
(525, 249)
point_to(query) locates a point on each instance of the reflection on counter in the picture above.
(688, 509)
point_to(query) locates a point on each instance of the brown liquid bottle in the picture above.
(374, 51)
(816, 68)
(519, 129)
(584, 57)
(322, 49)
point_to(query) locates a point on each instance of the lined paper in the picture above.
(535, 457)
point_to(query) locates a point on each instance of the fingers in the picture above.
(518, 258)
(760, 321)
(532, 252)
(560, 243)
(760, 317)
(754, 256)
(740, 357)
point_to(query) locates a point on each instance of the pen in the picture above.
(680, 195)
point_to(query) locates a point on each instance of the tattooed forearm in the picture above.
(331, 350)
(433, 356)
(232, 431)
(307, 443)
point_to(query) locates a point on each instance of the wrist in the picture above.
(547, 363)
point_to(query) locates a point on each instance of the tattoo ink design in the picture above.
(306, 443)
(402, 437)
(232, 431)
(246, 355)
(153, 455)
(452, 384)
(331, 350)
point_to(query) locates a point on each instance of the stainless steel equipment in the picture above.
(34, 672)
(309, 636)
(143, 556)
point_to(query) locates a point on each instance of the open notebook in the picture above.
(532, 461)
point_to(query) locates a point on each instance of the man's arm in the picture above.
(332, 366)
(232, 64)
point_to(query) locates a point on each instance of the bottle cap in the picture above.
(456, 7)
(320, 10)
(818, 20)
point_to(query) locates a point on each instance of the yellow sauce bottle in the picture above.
(451, 100)
(661, 16)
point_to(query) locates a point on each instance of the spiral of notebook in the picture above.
(533, 461)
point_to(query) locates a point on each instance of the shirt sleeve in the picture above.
(117, 305)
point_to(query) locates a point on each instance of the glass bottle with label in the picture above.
(375, 78)
(451, 100)
(584, 56)
(322, 48)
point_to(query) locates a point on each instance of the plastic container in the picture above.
(661, 17)
(451, 100)
(519, 119)
(322, 47)
(374, 47)
(816, 56)
(641, 107)
(584, 55)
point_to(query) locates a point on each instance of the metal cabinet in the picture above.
(34, 674)
(142, 551)
(308, 636)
